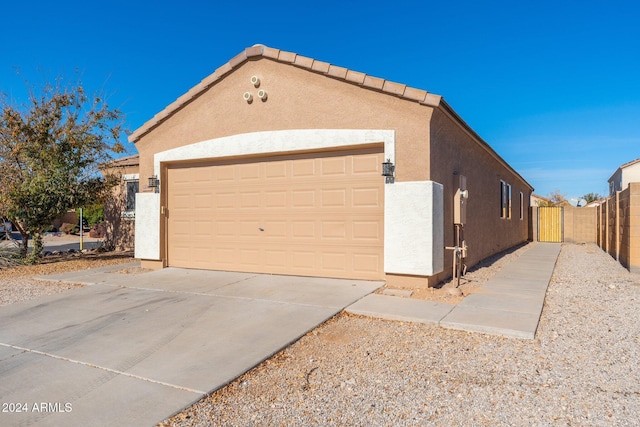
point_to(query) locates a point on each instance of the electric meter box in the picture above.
(460, 200)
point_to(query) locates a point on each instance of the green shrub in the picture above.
(94, 214)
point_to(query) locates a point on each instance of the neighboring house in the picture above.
(273, 164)
(71, 217)
(119, 210)
(629, 172)
(595, 203)
(537, 200)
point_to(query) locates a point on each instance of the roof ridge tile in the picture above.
(257, 51)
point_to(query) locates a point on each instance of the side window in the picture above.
(132, 189)
(505, 200)
(521, 205)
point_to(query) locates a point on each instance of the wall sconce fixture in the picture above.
(388, 169)
(154, 182)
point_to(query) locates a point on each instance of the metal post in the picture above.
(81, 230)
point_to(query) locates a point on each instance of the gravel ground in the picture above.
(449, 292)
(18, 283)
(582, 368)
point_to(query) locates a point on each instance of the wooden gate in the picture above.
(550, 224)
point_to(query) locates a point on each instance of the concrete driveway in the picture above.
(133, 349)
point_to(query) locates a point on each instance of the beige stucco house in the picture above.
(120, 208)
(273, 164)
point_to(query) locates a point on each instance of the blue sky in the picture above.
(552, 86)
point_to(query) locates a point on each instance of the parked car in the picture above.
(5, 227)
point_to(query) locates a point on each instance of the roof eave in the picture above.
(260, 51)
(444, 106)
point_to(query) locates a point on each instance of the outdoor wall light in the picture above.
(154, 182)
(388, 169)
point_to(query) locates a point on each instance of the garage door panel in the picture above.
(303, 198)
(226, 200)
(249, 228)
(182, 228)
(225, 228)
(201, 253)
(275, 199)
(334, 197)
(275, 258)
(249, 257)
(334, 166)
(366, 197)
(204, 227)
(321, 216)
(303, 229)
(304, 260)
(249, 199)
(224, 173)
(335, 262)
(275, 171)
(203, 200)
(200, 176)
(366, 164)
(224, 256)
(304, 168)
(366, 263)
(249, 172)
(276, 230)
(366, 230)
(334, 230)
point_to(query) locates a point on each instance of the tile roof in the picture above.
(632, 162)
(624, 166)
(313, 65)
(133, 160)
(350, 76)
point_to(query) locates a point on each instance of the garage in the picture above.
(273, 164)
(310, 214)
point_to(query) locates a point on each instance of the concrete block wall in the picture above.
(580, 225)
(611, 239)
(623, 227)
(634, 227)
(619, 227)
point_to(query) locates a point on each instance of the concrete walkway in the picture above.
(133, 349)
(510, 303)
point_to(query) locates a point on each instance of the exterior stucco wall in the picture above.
(454, 151)
(413, 219)
(630, 174)
(615, 182)
(297, 99)
(428, 146)
(413, 228)
(147, 226)
(622, 177)
(119, 230)
(270, 142)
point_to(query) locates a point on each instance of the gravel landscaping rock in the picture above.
(582, 368)
(18, 283)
